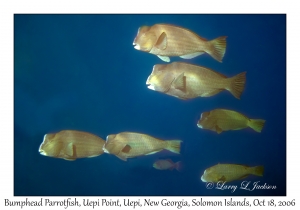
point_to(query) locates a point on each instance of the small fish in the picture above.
(166, 40)
(230, 172)
(129, 144)
(187, 81)
(71, 144)
(223, 120)
(167, 164)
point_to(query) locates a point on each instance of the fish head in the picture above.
(204, 121)
(113, 144)
(160, 79)
(145, 39)
(50, 146)
(109, 144)
(209, 176)
(155, 165)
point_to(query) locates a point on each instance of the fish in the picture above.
(167, 164)
(130, 144)
(187, 81)
(230, 172)
(166, 40)
(71, 144)
(220, 120)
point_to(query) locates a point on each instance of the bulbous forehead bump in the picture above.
(110, 137)
(204, 115)
(158, 67)
(143, 29)
(154, 69)
(49, 136)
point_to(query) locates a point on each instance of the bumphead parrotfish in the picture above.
(187, 81)
(71, 144)
(230, 172)
(166, 40)
(129, 144)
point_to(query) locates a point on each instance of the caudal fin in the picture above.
(173, 146)
(256, 124)
(218, 48)
(179, 166)
(237, 84)
(258, 170)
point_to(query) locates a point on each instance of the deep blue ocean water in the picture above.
(81, 72)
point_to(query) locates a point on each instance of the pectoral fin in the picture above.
(164, 58)
(71, 151)
(192, 55)
(180, 82)
(126, 149)
(162, 41)
(223, 179)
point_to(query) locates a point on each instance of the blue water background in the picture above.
(81, 72)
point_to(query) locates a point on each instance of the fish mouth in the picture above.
(150, 86)
(104, 149)
(42, 152)
(202, 179)
(199, 126)
(136, 46)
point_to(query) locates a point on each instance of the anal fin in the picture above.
(69, 159)
(243, 177)
(211, 93)
(192, 55)
(150, 153)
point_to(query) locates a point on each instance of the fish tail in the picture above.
(256, 124)
(258, 170)
(179, 166)
(173, 146)
(217, 48)
(237, 84)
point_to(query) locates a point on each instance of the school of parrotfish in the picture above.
(178, 79)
